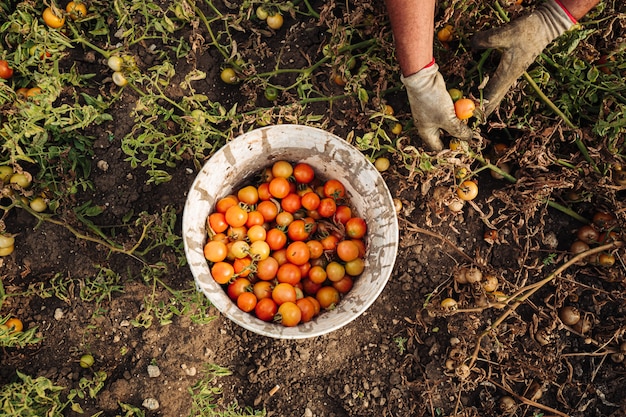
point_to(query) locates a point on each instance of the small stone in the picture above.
(153, 371)
(58, 314)
(151, 404)
(103, 165)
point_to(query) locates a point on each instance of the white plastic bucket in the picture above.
(331, 157)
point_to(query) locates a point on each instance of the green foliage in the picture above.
(32, 397)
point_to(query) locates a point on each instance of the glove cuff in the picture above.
(421, 79)
(559, 20)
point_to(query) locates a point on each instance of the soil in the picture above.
(406, 356)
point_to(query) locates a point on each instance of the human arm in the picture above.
(412, 23)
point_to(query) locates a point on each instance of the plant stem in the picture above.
(567, 211)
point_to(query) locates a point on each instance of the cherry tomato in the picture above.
(316, 304)
(222, 272)
(248, 195)
(347, 250)
(298, 252)
(261, 13)
(343, 214)
(217, 222)
(238, 287)
(298, 230)
(266, 309)
(275, 21)
(264, 191)
(315, 248)
(329, 242)
(229, 76)
(335, 271)
(446, 33)
(307, 309)
(283, 293)
(262, 289)
(289, 314)
(236, 216)
(276, 238)
(310, 201)
(76, 10)
(266, 269)
(288, 273)
(328, 297)
(215, 251)
(268, 209)
(317, 274)
(243, 266)
(344, 285)
(291, 203)
(284, 219)
(247, 301)
(455, 94)
(280, 256)
(303, 173)
(309, 287)
(225, 203)
(327, 207)
(271, 93)
(356, 228)
(255, 218)
(355, 267)
(468, 190)
(6, 71)
(464, 108)
(240, 249)
(15, 325)
(335, 189)
(237, 233)
(51, 19)
(279, 187)
(119, 79)
(256, 233)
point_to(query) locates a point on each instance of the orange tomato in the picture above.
(464, 108)
(14, 324)
(76, 10)
(446, 33)
(468, 190)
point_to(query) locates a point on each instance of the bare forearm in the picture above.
(579, 8)
(412, 23)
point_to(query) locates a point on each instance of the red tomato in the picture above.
(266, 309)
(327, 207)
(291, 203)
(280, 256)
(316, 304)
(343, 214)
(217, 222)
(328, 297)
(356, 228)
(309, 287)
(238, 287)
(334, 189)
(310, 201)
(268, 209)
(236, 216)
(361, 245)
(303, 173)
(247, 301)
(344, 284)
(283, 293)
(306, 308)
(288, 273)
(276, 238)
(289, 314)
(6, 71)
(279, 187)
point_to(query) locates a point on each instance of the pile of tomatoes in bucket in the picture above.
(288, 248)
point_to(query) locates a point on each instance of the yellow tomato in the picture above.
(52, 19)
(15, 325)
(275, 21)
(468, 190)
(76, 10)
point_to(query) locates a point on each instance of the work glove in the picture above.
(520, 42)
(432, 107)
